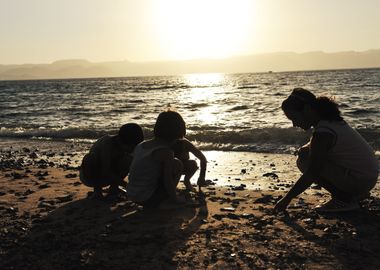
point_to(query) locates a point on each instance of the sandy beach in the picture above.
(47, 221)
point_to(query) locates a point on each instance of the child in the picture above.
(155, 173)
(181, 149)
(337, 157)
(107, 163)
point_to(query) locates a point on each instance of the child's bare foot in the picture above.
(116, 190)
(201, 183)
(188, 186)
(96, 194)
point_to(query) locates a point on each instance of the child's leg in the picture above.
(190, 167)
(328, 178)
(124, 167)
(90, 183)
(161, 194)
(346, 185)
(98, 192)
(178, 168)
(303, 159)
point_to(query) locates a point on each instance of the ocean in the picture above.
(228, 112)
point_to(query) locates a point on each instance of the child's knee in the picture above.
(82, 177)
(177, 166)
(303, 163)
(191, 166)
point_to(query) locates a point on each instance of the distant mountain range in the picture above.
(282, 61)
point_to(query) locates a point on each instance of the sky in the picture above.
(43, 31)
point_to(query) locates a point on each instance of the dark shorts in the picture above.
(159, 195)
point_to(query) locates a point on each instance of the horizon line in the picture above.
(189, 59)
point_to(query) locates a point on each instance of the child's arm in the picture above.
(320, 144)
(198, 154)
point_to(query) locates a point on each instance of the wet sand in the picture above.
(49, 223)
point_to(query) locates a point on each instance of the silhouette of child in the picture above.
(182, 148)
(337, 157)
(109, 159)
(155, 172)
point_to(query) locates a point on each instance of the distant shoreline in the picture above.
(258, 63)
(139, 76)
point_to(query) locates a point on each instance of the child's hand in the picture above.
(189, 187)
(282, 205)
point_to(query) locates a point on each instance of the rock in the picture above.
(233, 216)
(228, 209)
(41, 173)
(12, 210)
(247, 215)
(46, 205)
(66, 198)
(43, 186)
(33, 155)
(270, 174)
(28, 192)
(17, 175)
(265, 199)
(218, 216)
(71, 175)
(241, 187)
(316, 186)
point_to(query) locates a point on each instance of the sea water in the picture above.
(234, 112)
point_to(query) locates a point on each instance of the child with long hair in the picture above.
(337, 157)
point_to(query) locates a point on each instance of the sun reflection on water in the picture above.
(204, 79)
(203, 93)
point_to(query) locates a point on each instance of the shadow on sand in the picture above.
(350, 238)
(89, 234)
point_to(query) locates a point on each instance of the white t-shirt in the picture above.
(350, 150)
(144, 173)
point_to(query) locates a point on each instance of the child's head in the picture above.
(169, 126)
(131, 134)
(303, 106)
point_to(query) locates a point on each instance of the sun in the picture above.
(202, 28)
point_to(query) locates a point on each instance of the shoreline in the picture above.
(48, 222)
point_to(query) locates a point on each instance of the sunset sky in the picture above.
(42, 31)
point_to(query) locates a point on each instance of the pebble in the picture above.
(270, 174)
(228, 209)
(43, 186)
(66, 198)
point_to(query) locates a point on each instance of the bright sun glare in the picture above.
(203, 90)
(203, 28)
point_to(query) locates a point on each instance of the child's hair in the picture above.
(326, 108)
(131, 133)
(169, 126)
